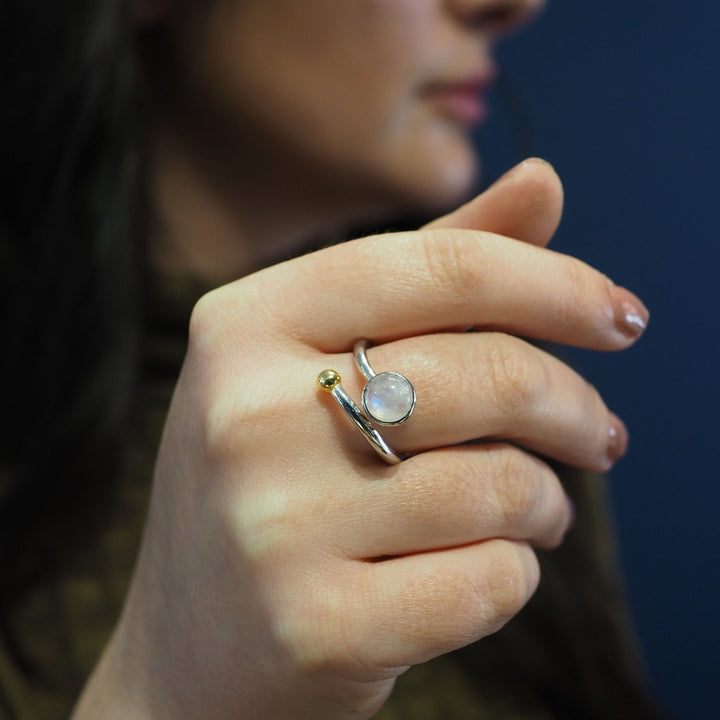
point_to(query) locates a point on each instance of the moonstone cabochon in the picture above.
(389, 398)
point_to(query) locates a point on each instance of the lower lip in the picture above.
(463, 106)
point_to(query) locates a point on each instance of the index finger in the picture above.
(398, 285)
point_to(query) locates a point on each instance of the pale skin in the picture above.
(285, 571)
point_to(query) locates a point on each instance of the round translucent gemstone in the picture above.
(389, 398)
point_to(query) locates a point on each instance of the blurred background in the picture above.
(623, 98)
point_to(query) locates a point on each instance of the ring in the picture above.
(388, 397)
(329, 381)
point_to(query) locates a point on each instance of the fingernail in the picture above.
(631, 316)
(516, 168)
(618, 439)
(537, 161)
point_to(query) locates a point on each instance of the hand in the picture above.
(286, 572)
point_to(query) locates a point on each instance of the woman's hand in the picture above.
(286, 572)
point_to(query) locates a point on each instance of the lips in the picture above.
(464, 100)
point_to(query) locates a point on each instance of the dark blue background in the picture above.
(622, 96)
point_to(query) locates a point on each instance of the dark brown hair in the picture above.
(71, 249)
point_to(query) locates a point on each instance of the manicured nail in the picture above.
(618, 439)
(516, 168)
(631, 316)
(537, 161)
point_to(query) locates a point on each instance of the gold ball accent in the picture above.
(328, 380)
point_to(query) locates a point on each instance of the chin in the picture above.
(439, 184)
(422, 180)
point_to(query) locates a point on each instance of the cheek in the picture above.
(375, 126)
(342, 64)
(337, 83)
(333, 67)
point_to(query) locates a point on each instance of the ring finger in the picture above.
(496, 387)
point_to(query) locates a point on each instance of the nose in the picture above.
(495, 16)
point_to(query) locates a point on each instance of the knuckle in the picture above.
(518, 494)
(304, 630)
(204, 325)
(221, 428)
(235, 418)
(558, 529)
(453, 263)
(582, 287)
(239, 316)
(309, 621)
(265, 528)
(265, 304)
(476, 605)
(226, 411)
(457, 489)
(510, 581)
(321, 638)
(592, 429)
(556, 517)
(512, 381)
(529, 495)
(454, 591)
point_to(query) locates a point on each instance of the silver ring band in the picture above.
(388, 397)
(330, 382)
(360, 353)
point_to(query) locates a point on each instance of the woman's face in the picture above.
(368, 103)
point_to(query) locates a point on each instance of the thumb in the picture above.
(525, 204)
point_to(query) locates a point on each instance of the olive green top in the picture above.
(569, 654)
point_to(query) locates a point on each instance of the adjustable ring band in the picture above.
(329, 381)
(388, 397)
